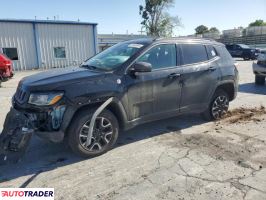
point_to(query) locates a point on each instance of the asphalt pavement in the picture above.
(179, 158)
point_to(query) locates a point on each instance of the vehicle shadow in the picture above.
(44, 156)
(252, 88)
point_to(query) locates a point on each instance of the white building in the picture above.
(256, 30)
(236, 32)
(47, 43)
(107, 40)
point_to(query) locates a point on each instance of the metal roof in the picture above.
(46, 21)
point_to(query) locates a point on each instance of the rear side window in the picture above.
(224, 54)
(193, 53)
(211, 52)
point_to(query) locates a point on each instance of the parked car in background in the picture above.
(257, 52)
(6, 71)
(242, 51)
(259, 68)
(128, 84)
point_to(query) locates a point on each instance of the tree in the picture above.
(201, 29)
(214, 30)
(258, 22)
(156, 20)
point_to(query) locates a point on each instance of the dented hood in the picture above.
(58, 77)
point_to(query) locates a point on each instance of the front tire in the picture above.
(105, 133)
(259, 80)
(218, 106)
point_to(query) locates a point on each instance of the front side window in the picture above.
(193, 53)
(11, 53)
(114, 56)
(160, 56)
(59, 52)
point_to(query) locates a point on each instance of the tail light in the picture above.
(4, 61)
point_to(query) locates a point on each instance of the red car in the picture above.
(5, 68)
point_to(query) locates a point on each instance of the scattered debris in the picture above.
(242, 114)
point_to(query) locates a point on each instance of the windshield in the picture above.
(113, 57)
(244, 46)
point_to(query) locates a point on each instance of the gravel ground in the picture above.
(178, 158)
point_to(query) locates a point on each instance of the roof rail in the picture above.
(185, 37)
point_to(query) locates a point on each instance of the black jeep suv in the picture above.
(128, 84)
(242, 51)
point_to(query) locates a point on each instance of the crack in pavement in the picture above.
(30, 179)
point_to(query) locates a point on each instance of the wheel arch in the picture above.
(115, 107)
(229, 88)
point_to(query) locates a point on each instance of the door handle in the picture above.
(173, 75)
(212, 68)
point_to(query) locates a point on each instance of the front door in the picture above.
(158, 91)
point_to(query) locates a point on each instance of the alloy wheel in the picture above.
(101, 136)
(220, 107)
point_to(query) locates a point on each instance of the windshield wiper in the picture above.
(90, 67)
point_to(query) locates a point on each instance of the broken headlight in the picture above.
(45, 99)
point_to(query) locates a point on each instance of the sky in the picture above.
(122, 16)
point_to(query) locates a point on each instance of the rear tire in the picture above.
(106, 123)
(218, 106)
(259, 80)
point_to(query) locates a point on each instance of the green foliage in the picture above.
(201, 29)
(214, 30)
(156, 19)
(258, 22)
(204, 29)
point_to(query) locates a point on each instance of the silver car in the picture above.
(259, 68)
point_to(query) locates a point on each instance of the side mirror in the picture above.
(141, 67)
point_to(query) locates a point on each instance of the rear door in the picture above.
(200, 75)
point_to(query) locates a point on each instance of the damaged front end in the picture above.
(19, 127)
(47, 124)
(15, 137)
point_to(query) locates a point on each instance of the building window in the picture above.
(59, 52)
(11, 53)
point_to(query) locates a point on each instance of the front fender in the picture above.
(115, 106)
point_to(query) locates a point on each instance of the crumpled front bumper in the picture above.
(49, 123)
(15, 137)
(20, 125)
